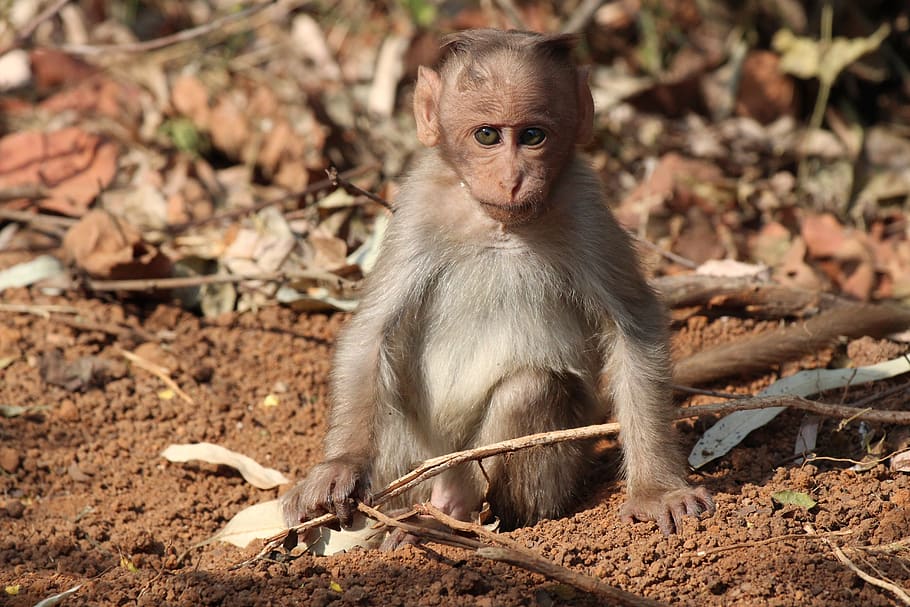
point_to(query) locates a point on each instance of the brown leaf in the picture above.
(674, 179)
(229, 128)
(109, 248)
(765, 92)
(71, 164)
(190, 97)
(98, 95)
(76, 376)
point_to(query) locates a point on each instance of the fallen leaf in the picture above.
(254, 473)
(53, 600)
(323, 541)
(77, 376)
(900, 462)
(190, 97)
(794, 498)
(808, 58)
(107, 247)
(720, 438)
(29, 272)
(71, 164)
(257, 522)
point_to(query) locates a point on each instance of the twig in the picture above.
(766, 298)
(29, 28)
(29, 191)
(679, 259)
(703, 392)
(42, 310)
(323, 184)
(351, 188)
(45, 311)
(54, 225)
(764, 542)
(512, 552)
(894, 589)
(438, 465)
(180, 282)
(436, 535)
(580, 17)
(512, 14)
(160, 372)
(797, 402)
(158, 43)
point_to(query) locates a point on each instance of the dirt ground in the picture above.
(87, 500)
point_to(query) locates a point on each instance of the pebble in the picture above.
(9, 459)
(68, 411)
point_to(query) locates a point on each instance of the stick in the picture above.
(160, 372)
(180, 282)
(894, 589)
(798, 402)
(235, 213)
(512, 552)
(351, 188)
(158, 43)
(31, 26)
(438, 465)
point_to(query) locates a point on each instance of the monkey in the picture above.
(506, 300)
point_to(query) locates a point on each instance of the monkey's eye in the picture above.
(487, 136)
(531, 136)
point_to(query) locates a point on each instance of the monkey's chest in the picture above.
(480, 328)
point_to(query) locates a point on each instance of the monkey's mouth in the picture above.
(509, 213)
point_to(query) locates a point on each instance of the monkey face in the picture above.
(506, 126)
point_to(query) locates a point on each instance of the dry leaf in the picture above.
(324, 541)
(256, 522)
(254, 473)
(72, 164)
(107, 247)
(190, 97)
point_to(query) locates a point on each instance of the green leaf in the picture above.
(795, 498)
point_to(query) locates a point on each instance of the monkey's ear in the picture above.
(585, 129)
(426, 106)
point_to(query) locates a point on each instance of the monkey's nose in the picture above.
(515, 187)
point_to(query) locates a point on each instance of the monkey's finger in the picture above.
(667, 522)
(344, 510)
(678, 512)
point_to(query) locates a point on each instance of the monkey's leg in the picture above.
(537, 483)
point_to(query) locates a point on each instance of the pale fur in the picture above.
(480, 324)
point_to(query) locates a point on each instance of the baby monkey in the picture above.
(506, 301)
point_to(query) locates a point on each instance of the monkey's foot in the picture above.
(668, 508)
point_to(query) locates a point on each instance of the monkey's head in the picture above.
(506, 110)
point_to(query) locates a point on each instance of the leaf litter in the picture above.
(709, 149)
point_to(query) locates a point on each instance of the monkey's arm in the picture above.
(363, 377)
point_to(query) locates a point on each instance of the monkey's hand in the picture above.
(332, 486)
(667, 508)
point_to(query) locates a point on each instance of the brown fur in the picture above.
(504, 290)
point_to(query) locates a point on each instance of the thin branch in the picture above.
(438, 465)
(581, 16)
(514, 553)
(339, 181)
(318, 186)
(158, 43)
(181, 282)
(158, 371)
(670, 255)
(894, 589)
(765, 542)
(30, 27)
(797, 402)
